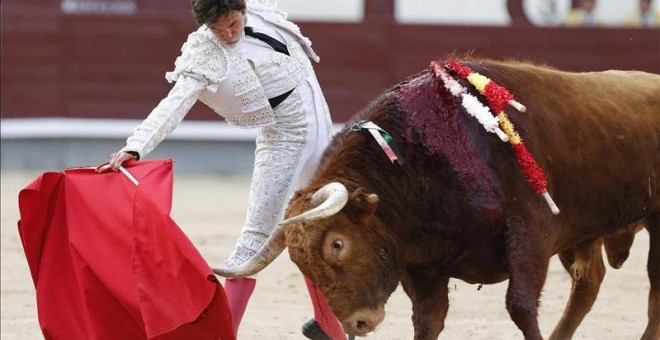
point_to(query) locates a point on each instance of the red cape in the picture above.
(108, 262)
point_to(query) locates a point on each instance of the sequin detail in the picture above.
(263, 5)
(279, 148)
(267, 10)
(201, 58)
(166, 116)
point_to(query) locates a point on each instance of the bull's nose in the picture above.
(364, 321)
(363, 326)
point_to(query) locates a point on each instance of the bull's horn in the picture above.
(271, 249)
(328, 200)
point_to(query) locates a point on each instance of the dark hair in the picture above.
(209, 11)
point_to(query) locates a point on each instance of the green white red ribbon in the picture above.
(382, 137)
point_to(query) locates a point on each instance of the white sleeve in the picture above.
(202, 57)
(166, 116)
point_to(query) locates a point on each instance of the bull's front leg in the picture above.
(430, 301)
(528, 257)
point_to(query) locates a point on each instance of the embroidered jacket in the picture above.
(223, 78)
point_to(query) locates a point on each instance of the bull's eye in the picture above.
(337, 244)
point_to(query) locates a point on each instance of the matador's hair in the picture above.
(209, 11)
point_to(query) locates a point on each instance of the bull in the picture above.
(460, 207)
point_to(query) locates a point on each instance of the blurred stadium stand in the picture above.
(78, 75)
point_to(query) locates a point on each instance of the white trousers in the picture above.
(286, 157)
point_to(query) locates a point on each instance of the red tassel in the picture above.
(532, 171)
(498, 96)
(461, 69)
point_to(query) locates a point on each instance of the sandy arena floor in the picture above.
(210, 211)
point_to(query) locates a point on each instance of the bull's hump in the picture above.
(446, 131)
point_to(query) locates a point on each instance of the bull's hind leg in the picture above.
(528, 257)
(585, 265)
(653, 327)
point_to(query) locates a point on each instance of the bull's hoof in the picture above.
(312, 330)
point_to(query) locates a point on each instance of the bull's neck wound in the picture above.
(437, 119)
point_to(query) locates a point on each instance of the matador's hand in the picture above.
(116, 160)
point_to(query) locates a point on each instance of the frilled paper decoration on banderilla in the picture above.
(471, 104)
(498, 98)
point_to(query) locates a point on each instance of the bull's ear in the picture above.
(362, 205)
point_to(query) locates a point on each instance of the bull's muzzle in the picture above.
(363, 321)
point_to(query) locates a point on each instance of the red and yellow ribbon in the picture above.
(498, 98)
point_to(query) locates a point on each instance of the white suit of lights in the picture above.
(236, 82)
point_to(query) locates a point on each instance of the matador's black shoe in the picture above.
(312, 330)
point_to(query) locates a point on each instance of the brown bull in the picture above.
(460, 206)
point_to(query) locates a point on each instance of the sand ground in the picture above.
(210, 211)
